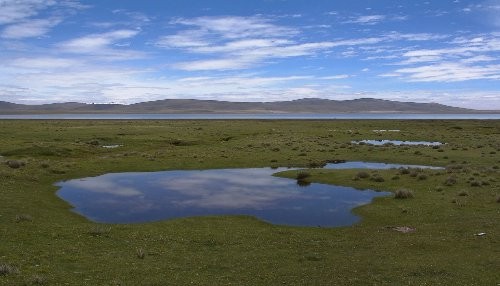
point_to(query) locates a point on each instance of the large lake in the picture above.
(151, 196)
(255, 116)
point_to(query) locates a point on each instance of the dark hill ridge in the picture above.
(191, 106)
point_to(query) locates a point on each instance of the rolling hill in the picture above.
(191, 106)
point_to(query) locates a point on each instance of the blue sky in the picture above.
(444, 51)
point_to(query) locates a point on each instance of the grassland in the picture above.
(43, 243)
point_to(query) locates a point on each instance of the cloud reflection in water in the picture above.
(152, 196)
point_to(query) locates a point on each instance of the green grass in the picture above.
(43, 242)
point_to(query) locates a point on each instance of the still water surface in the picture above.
(397, 142)
(299, 116)
(152, 196)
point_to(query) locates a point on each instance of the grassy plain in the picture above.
(43, 243)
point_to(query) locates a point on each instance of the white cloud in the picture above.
(18, 16)
(103, 46)
(16, 11)
(243, 42)
(449, 72)
(238, 27)
(44, 63)
(466, 58)
(366, 19)
(216, 64)
(396, 36)
(340, 76)
(29, 28)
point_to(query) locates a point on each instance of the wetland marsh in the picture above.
(42, 240)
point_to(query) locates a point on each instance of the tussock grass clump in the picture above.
(377, 178)
(15, 164)
(23, 217)
(6, 269)
(403, 194)
(99, 230)
(463, 193)
(414, 173)
(37, 280)
(301, 175)
(422, 177)
(498, 199)
(404, 171)
(450, 181)
(459, 203)
(475, 184)
(363, 175)
(301, 178)
(140, 253)
(318, 164)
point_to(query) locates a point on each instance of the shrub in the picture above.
(463, 194)
(498, 199)
(403, 194)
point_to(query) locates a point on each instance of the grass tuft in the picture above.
(37, 280)
(6, 269)
(23, 217)
(377, 178)
(363, 175)
(301, 175)
(450, 181)
(99, 230)
(140, 253)
(15, 164)
(403, 194)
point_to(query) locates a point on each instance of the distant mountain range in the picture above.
(192, 106)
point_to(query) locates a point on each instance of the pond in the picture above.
(397, 142)
(153, 196)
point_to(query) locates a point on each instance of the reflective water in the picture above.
(374, 165)
(153, 196)
(397, 142)
(299, 116)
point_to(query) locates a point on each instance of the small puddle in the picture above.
(397, 142)
(111, 146)
(374, 165)
(153, 196)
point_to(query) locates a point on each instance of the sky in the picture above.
(129, 51)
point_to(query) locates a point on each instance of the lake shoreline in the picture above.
(259, 116)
